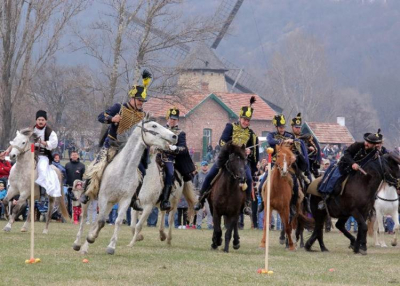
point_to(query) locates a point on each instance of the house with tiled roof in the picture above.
(329, 133)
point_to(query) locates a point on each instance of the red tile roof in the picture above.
(158, 107)
(331, 133)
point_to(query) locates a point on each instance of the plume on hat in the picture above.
(252, 100)
(146, 77)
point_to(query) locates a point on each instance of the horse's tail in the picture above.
(371, 222)
(304, 220)
(190, 197)
(63, 208)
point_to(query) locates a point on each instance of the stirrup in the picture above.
(165, 206)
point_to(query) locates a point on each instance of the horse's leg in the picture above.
(83, 217)
(282, 235)
(137, 227)
(288, 227)
(319, 217)
(381, 228)
(134, 220)
(20, 204)
(217, 233)
(395, 217)
(228, 233)
(49, 213)
(163, 236)
(236, 237)
(25, 227)
(104, 209)
(171, 218)
(122, 208)
(361, 241)
(341, 225)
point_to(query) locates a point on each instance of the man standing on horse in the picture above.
(240, 134)
(354, 158)
(48, 141)
(120, 118)
(176, 157)
(312, 148)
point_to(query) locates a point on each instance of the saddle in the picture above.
(313, 187)
(161, 165)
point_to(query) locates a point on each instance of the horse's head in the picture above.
(154, 134)
(21, 143)
(392, 168)
(284, 159)
(234, 159)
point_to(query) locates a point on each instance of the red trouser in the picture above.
(77, 213)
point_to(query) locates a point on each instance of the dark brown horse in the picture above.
(227, 196)
(357, 200)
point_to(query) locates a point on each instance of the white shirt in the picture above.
(53, 140)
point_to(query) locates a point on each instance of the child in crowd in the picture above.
(3, 193)
(182, 213)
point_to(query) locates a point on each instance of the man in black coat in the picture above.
(74, 171)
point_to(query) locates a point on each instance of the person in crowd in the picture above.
(5, 167)
(74, 170)
(113, 215)
(182, 213)
(57, 163)
(3, 193)
(351, 222)
(197, 184)
(153, 218)
(76, 205)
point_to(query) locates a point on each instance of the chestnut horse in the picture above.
(227, 196)
(281, 193)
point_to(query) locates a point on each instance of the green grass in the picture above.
(189, 261)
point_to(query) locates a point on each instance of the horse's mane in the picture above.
(29, 132)
(228, 149)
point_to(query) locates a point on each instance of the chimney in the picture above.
(204, 87)
(341, 121)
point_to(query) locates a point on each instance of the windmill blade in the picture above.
(226, 12)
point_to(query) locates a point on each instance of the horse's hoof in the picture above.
(363, 252)
(140, 237)
(236, 246)
(226, 250)
(324, 249)
(301, 245)
(45, 231)
(110, 250)
(383, 245)
(394, 243)
(24, 229)
(76, 247)
(281, 241)
(7, 229)
(83, 252)
(89, 239)
(162, 236)
(214, 247)
(292, 249)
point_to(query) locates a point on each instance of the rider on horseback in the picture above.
(240, 134)
(312, 146)
(276, 138)
(354, 157)
(177, 156)
(121, 118)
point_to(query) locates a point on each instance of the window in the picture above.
(207, 134)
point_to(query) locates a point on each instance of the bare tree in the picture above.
(299, 78)
(30, 35)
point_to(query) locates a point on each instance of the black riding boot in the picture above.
(293, 201)
(135, 202)
(247, 205)
(165, 204)
(200, 204)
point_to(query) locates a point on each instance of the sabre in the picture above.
(362, 171)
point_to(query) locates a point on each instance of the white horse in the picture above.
(386, 203)
(121, 178)
(20, 180)
(149, 197)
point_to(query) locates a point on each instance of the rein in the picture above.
(236, 177)
(145, 130)
(387, 200)
(21, 151)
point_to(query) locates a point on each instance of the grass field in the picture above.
(189, 261)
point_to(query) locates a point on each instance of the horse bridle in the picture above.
(236, 177)
(145, 130)
(21, 150)
(283, 174)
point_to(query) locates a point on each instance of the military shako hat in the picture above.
(140, 91)
(247, 111)
(374, 138)
(173, 113)
(41, 113)
(279, 120)
(297, 122)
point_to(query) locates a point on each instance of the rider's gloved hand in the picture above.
(172, 147)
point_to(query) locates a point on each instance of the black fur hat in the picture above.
(41, 113)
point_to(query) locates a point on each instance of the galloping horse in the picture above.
(386, 203)
(227, 196)
(281, 193)
(20, 180)
(357, 200)
(149, 197)
(121, 178)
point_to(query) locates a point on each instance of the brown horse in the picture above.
(281, 193)
(227, 196)
(357, 200)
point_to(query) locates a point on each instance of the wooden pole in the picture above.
(32, 207)
(267, 209)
